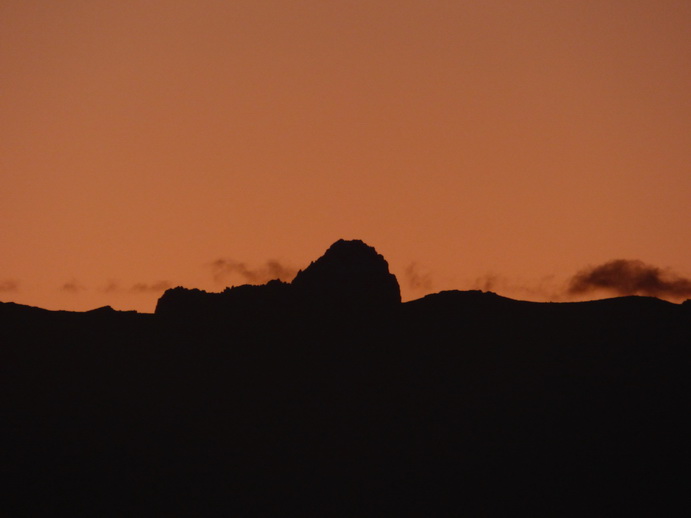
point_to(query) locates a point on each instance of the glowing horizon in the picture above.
(496, 145)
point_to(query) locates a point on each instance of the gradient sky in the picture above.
(476, 144)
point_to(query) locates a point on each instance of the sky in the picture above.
(518, 147)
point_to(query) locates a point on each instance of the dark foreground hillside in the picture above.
(458, 404)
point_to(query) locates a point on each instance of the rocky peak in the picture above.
(350, 277)
(350, 274)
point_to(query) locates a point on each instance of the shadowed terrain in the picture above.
(327, 396)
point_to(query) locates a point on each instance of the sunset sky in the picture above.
(494, 144)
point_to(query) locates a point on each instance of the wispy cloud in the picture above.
(417, 279)
(225, 269)
(8, 286)
(489, 282)
(111, 287)
(72, 286)
(539, 289)
(630, 277)
(138, 287)
(154, 287)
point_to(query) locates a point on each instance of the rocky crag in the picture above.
(350, 277)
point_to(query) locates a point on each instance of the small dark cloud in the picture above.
(488, 282)
(138, 287)
(417, 279)
(630, 277)
(72, 287)
(535, 289)
(142, 287)
(9, 286)
(223, 269)
(111, 287)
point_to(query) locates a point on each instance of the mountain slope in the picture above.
(261, 404)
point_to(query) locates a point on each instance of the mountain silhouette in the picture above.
(328, 396)
(350, 277)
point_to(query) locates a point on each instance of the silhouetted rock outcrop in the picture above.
(350, 277)
(236, 303)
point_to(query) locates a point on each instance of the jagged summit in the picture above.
(350, 273)
(350, 276)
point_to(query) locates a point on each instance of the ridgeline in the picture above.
(328, 396)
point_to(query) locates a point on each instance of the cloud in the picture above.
(9, 286)
(111, 287)
(72, 287)
(536, 289)
(138, 287)
(142, 287)
(416, 279)
(222, 269)
(489, 282)
(630, 277)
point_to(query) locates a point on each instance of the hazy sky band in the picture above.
(523, 141)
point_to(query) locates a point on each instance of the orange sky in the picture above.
(518, 142)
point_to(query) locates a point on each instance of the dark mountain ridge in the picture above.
(350, 277)
(328, 396)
